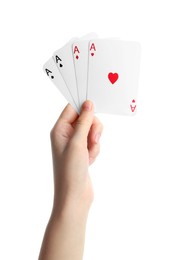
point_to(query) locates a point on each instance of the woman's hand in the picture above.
(75, 145)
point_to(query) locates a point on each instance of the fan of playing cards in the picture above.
(105, 71)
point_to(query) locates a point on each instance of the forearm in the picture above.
(65, 234)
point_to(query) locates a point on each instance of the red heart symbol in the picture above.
(77, 57)
(113, 77)
(92, 54)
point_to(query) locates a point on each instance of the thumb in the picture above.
(84, 121)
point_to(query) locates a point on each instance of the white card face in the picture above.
(113, 76)
(53, 73)
(80, 55)
(64, 61)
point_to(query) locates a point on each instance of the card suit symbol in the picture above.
(61, 65)
(92, 54)
(133, 105)
(133, 108)
(52, 77)
(77, 57)
(113, 77)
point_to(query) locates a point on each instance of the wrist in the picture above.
(70, 209)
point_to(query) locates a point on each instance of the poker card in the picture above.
(52, 72)
(80, 56)
(64, 62)
(113, 75)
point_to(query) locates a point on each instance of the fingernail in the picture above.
(97, 137)
(87, 105)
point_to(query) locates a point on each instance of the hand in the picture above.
(75, 145)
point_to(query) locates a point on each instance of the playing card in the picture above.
(64, 61)
(52, 72)
(113, 75)
(80, 55)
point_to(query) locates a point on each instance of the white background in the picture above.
(135, 214)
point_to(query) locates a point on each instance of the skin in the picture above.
(75, 146)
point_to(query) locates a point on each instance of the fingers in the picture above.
(93, 152)
(93, 139)
(96, 131)
(68, 115)
(84, 122)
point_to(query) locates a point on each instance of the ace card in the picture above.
(113, 75)
(52, 72)
(64, 62)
